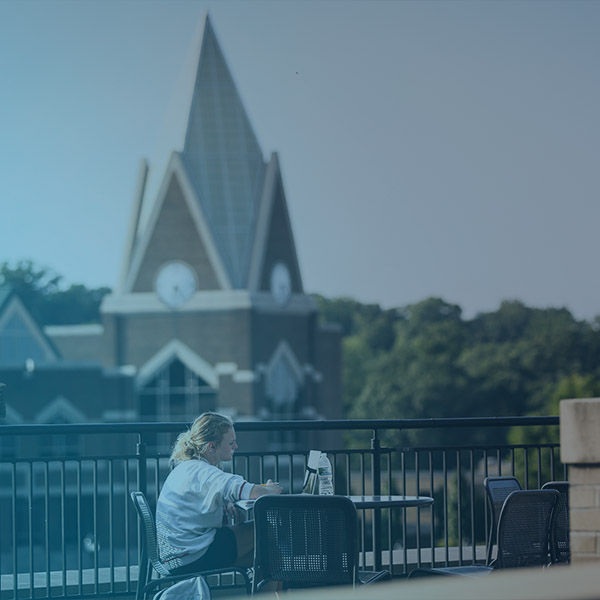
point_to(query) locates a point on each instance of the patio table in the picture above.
(366, 502)
(376, 501)
(390, 501)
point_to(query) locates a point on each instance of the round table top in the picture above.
(389, 501)
(364, 502)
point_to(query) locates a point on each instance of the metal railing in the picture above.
(68, 528)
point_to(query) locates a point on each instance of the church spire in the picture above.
(223, 159)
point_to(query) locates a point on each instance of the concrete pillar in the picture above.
(580, 449)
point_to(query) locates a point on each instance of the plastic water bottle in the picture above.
(325, 476)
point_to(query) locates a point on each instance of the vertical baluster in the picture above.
(79, 532)
(445, 472)
(404, 522)
(472, 478)
(364, 513)
(31, 571)
(63, 509)
(95, 522)
(14, 527)
(487, 516)
(111, 550)
(126, 512)
(47, 523)
(418, 493)
(261, 468)
(431, 512)
(388, 482)
(459, 505)
(155, 470)
(362, 474)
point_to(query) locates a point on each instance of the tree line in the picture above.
(48, 301)
(425, 360)
(418, 361)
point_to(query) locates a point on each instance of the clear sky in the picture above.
(446, 148)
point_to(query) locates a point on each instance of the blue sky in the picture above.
(427, 148)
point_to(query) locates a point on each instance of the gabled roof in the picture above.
(273, 227)
(176, 349)
(21, 337)
(177, 172)
(60, 410)
(6, 291)
(223, 159)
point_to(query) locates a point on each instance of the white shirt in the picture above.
(190, 508)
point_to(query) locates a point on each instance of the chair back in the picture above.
(148, 532)
(304, 540)
(498, 489)
(524, 528)
(561, 541)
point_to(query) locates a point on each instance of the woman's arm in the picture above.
(270, 487)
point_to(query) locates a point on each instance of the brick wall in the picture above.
(580, 449)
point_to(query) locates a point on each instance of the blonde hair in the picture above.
(209, 427)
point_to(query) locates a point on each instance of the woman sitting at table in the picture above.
(195, 498)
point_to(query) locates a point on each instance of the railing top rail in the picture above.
(289, 425)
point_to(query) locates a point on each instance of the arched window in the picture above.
(284, 380)
(283, 387)
(175, 393)
(176, 385)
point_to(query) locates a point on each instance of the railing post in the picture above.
(376, 474)
(141, 454)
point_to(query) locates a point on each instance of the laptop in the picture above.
(310, 476)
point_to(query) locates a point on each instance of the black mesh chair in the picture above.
(497, 490)
(524, 527)
(561, 537)
(149, 561)
(304, 541)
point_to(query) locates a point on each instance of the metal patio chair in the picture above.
(150, 564)
(561, 537)
(305, 541)
(524, 531)
(497, 490)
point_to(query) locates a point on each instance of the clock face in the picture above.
(281, 284)
(175, 283)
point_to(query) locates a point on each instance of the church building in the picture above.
(210, 311)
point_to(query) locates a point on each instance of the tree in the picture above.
(351, 315)
(39, 289)
(420, 376)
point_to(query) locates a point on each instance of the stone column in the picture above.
(580, 449)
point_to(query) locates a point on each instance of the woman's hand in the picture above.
(232, 510)
(271, 487)
(232, 514)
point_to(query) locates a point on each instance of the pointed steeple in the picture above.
(223, 159)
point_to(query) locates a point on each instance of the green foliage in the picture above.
(570, 386)
(420, 375)
(39, 289)
(349, 314)
(425, 360)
